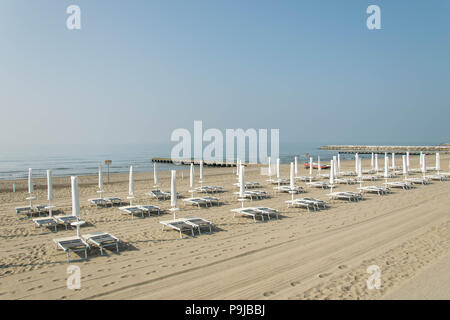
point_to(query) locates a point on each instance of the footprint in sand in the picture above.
(342, 266)
(323, 275)
(294, 283)
(268, 293)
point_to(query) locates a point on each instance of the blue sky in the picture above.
(139, 69)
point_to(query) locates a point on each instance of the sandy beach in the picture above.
(302, 255)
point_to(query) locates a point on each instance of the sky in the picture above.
(139, 69)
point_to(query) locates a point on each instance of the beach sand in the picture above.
(303, 255)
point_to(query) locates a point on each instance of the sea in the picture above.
(68, 160)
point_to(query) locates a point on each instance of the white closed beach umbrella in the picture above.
(296, 166)
(360, 172)
(310, 168)
(173, 189)
(131, 186)
(438, 162)
(356, 162)
(30, 181)
(201, 171)
(359, 168)
(372, 161)
(404, 166)
(393, 161)
(407, 160)
(278, 168)
(269, 168)
(75, 197)
(100, 181)
(49, 186)
(100, 178)
(292, 177)
(335, 167)
(319, 168)
(241, 181)
(424, 164)
(191, 177)
(338, 164)
(386, 167)
(238, 167)
(332, 172)
(376, 162)
(131, 183)
(155, 174)
(421, 158)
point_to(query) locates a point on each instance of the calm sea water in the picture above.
(66, 160)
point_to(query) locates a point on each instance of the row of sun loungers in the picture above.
(199, 201)
(319, 184)
(249, 185)
(405, 185)
(54, 221)
(346, 195)
(209, 189)
(141, 210)
(82, 244)
(37, 209)
(375, 189)
(254, 194)
(256, 212)
(189, 225)
(101, 202)
(308, 203)
(296, 189)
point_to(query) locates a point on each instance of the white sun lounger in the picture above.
(209, 189)
(249, 212)
(279, 181)
(345, 180)
(304, 178)
(178, 224)
(316, 202)
(319, 184)
(74, 244)
(347, 195)
(159, 194)
(133, 210)
(27, 210)
(254, 194)
(297, 189)
(196, 201)
(266, 211)
(46, 222)
(375, 189)
(347, 173)
(149, 209)
(114, 200)
(438, 177)
(98, 202)
(198, 223)
(399, 184)
(249, 185)
(211, 200)
(102, 240)
(300, 203)
(418, 180)
(66, 220)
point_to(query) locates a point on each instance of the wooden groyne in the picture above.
(382, 149)
(207, 163)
